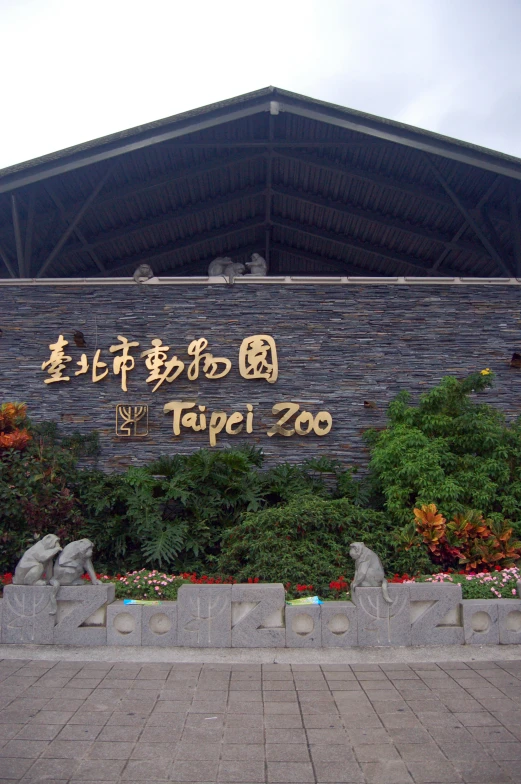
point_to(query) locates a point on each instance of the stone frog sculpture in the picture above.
(35, 567)
(223, 265)
(257, 265)
(74, 560)
(369, 572)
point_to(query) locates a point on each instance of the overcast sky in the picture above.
(73, 71)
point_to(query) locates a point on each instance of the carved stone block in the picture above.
(339, 625)
(380, 623)
(81, 617)
(303, 628)
(480, 621)
(258, 616)
(26, 614)
(159, 625)
(436, 614)
(204, 616)
(509, 618)
(124, 624)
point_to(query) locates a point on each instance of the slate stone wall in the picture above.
(338, 346)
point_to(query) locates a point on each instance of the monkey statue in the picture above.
(35, 565)
(369, 572)
(74, 560)
(223, 265)
(257, 265)
(143, 273)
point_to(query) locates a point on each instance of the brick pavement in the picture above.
(160, 722)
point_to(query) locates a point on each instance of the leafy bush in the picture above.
(450, 451)
(468, 539)
(35, 493)
(307, 542)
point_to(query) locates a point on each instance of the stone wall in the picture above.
(256, 616)
(338, 346)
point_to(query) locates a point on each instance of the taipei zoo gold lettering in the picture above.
(257, 361)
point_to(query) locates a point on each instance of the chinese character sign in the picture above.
(257, 360)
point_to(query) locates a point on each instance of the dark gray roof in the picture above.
(328, 189)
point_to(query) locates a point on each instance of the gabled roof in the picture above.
(313, 185)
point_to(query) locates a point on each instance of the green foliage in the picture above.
(451, 451)
(36, 497)
(307, 541)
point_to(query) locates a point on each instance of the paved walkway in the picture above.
(97, 721)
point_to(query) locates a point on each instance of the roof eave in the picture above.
(246, 105)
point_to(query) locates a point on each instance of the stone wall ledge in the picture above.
(257, 616)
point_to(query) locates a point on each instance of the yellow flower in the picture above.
(485, 372)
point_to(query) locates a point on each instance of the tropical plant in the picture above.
(468, 540)
(451, 451)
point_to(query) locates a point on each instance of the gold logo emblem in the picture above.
(131, 421)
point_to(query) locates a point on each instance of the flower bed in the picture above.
(146, 584)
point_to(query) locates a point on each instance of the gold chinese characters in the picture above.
(257, 360)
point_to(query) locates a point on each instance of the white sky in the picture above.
(73, 71)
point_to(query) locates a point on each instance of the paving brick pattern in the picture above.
(443, 723)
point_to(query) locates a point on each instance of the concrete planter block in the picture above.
(81, 617)
(509, 620)
(159, 625)
(258, 616)
(436, 614)
(480, 621)
(26, 615)
(339, 625)
(303, 627)
(124, 624)
(204, 616)
(380, 623)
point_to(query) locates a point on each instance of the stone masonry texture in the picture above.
(420, 723)
(338, 347)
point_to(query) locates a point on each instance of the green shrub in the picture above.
(450, 451)
(307, 542)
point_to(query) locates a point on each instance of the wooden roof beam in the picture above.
(343, 266)
(346, 169)
(376, 217)
(501, 262)
(462, 229)
(351, 242)
(72, 224)
(171, 247)
(169, 217)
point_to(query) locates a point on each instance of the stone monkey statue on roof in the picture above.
(223, 265)
(257, 265)
(369, 572)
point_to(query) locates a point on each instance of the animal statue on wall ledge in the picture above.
(223, 265)
(74, 560)
(369, 572)
(35, 567)
(143, 273)
(257, 265)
